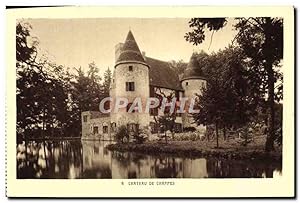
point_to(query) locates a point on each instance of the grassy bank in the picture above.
(227, 149)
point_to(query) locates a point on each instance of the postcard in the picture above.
(145, 102)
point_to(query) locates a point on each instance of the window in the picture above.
(105, 129)
(133, 127)
(130, 68)
(186, 83)
(129, 86)
(95, 130)
(113, 127)
(85, 118)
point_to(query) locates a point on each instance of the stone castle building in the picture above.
(136, 75)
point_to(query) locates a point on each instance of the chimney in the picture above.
(118, 50)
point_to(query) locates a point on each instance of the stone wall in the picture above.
(191, 88)
(140, 76)
(94, 128)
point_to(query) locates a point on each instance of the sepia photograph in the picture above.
(170, 98)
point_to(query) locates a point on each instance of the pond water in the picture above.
(90, 159)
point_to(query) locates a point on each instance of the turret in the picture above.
(192, 82)
(193, 79)
(131, 80)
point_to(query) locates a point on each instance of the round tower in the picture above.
(192, 82)
(131, 78)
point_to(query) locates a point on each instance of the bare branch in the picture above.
(212, 34)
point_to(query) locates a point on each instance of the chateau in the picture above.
(137, 75)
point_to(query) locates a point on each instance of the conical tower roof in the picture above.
(193, 70)
(130, 51)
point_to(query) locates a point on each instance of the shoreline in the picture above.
(190, 151)
(52, 139)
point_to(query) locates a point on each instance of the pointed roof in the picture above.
(193, 70)
(130, 51)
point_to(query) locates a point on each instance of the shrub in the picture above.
(195, 136)
(189, 129)
(210, 133)
(245, 135)
(122, 134)
(141, 136)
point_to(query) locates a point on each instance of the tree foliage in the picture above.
(122, 134)
(167, 123)
(224, 101)
(178, 66)
(50, 98)
(199, 25)
(41, 98)
(261, 40)
(107, 81)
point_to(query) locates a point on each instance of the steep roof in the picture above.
(162, 75)
(193, 70)
(130, 51)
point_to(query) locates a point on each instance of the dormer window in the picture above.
(130, 68)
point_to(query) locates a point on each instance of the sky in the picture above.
(78, 42)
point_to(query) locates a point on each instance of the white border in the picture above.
(283, 184)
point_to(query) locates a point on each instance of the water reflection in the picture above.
(90, 159)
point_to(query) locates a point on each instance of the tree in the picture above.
(88, 91)
(107, 81)
(211, 101)
(121, 134)
(49, 98)
(25, 53)
(261, 39)
(178, 66)
(204, 60)
(167, 122)
(223, 101)
(85, 94)
(41, 100)
(140, 135)
(199, 25)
